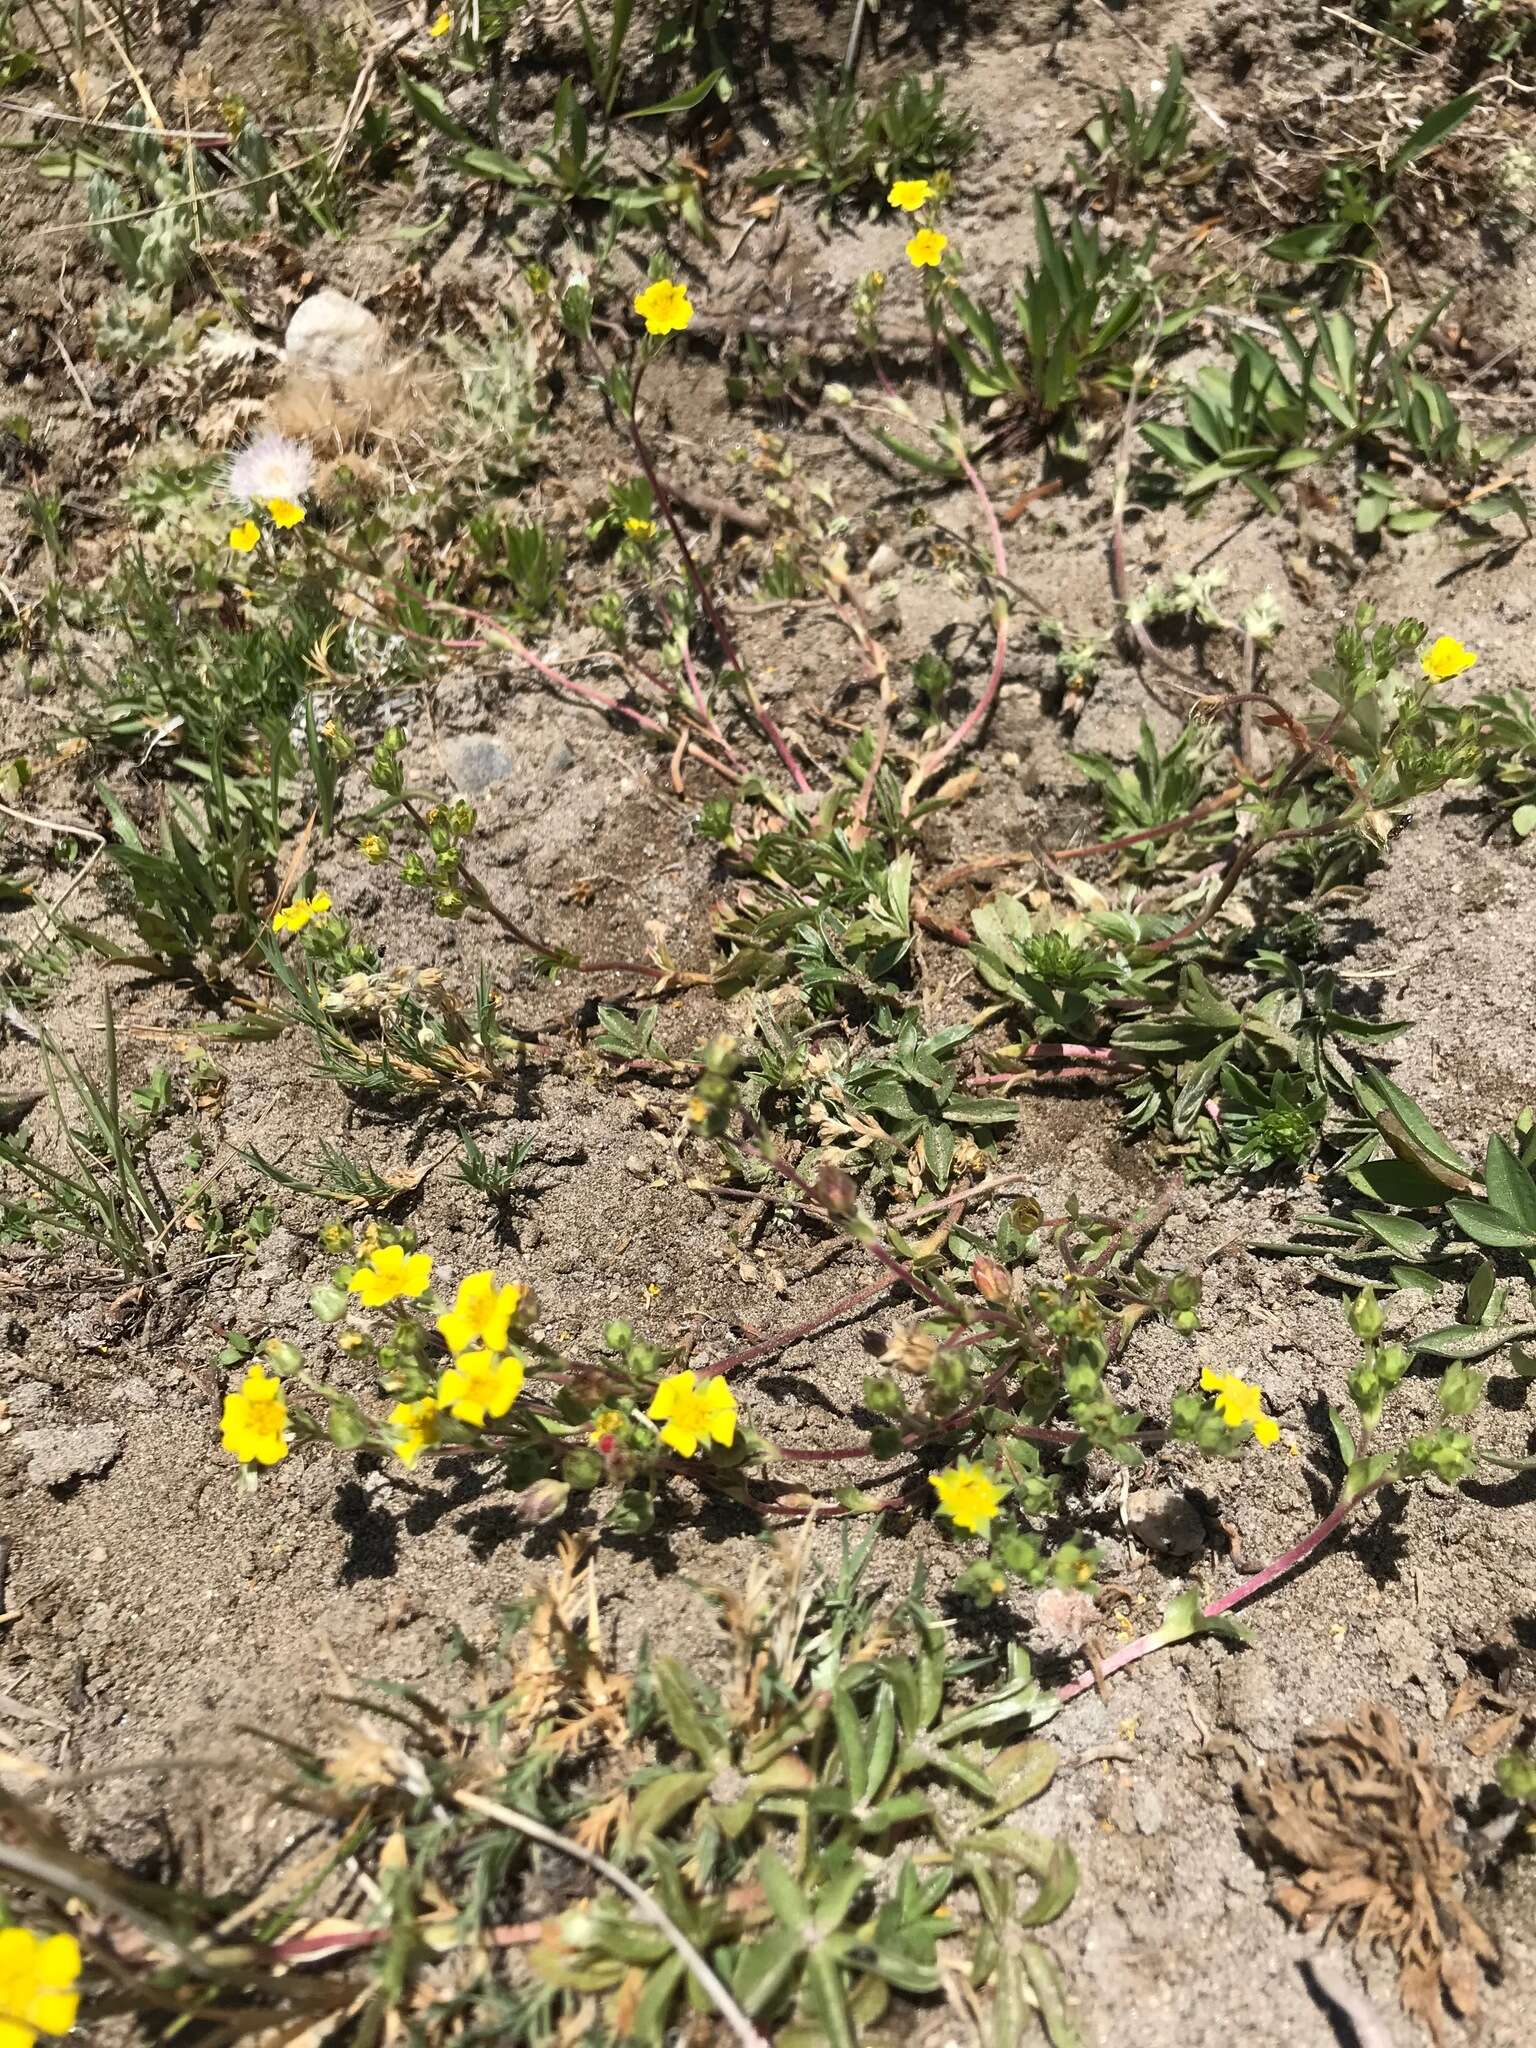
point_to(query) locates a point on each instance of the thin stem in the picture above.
(981, 709)
(712, 610)
(782, 1339)
(648, 1909)
(1245, 1590)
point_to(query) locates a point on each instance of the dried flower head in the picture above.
(272, 467)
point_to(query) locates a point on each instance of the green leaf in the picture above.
(1486, 1225)
(1433, 130)
(1409, 1132)
(1509, 1185)
(784, 1896)
(1398, 1233)
(1470, 1340)
(826, 1996)
(1049, 1992)
(689, 1728)
(1343, 1436)
(681, 102)
(1523, 820)
(429, 104)
(1309, 244)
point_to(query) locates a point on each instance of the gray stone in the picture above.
(1162, 1519)
(474, 761)
(83, 1451)
(331, 335)
(136, 1393)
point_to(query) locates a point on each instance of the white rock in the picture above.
(331, 335)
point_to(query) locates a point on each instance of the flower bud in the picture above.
(836, 1192)
(1365, 1316)
(584, 1469)
(882, 1396)
(544, 1501)
(617, 1335)
(993, 1282)
(283, 1356)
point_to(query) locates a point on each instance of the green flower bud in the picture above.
(1365, 1316)
(413, 871)
(948, 1378)
(282, 1356)
(1461, 1389)
(328, 1304)
(1392, 1361)
(882, 1396)
(1184, 1291)
(617, 1335)
(449, 903)
(583, 1468)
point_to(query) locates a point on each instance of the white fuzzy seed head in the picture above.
(272, 466)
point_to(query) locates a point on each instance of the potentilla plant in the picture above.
(466, 1369)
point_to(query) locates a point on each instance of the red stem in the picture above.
(1245, 1590)
(978, 713)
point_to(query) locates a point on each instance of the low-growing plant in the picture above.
(853, 146)
(730, 1833)
(1084, 312)
(100, 1190)
(1136, 144)
(1354, 198)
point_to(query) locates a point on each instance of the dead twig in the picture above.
(714, 1990)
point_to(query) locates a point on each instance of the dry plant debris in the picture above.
(1362, 1817)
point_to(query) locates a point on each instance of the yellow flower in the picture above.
(692, 1414)
(416, 1422)
(606, 1422)
(908, 194)
(37, 1985)
(284, 511)
(373, 847)
(1237, 1402)
(255, 1424)
(441, 26)
(391, 1274)
(294, 916)
(926, 248)
(480, 1384)
(640, 529)
(481, 1314)
(664, 307)
(243, 538)
(1448, 658)
(969, 1496)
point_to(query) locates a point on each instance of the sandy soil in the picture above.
(157, 1609)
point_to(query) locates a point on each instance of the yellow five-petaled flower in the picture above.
(1448, 658)
(285, 512)
(255, 1430)
(908, 194)
(480, 1384)
(295, 915)
(415, 1426)
(243, 538)
(441, 26)
(481, 1314)
(926, 249)
(664, 307)
(1237, 1402)
(391, 1274)
(640, 529)
(691, 1415)
(969, 1496)
(38, 1973)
